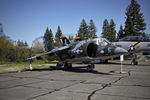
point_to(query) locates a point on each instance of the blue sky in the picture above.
(28, 19)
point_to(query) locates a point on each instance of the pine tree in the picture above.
(57, 37)
(83, 30)
(92, 30)
(112, 35)
(1, 30)
(134, 24)
(105, 29)
(120, 33)
(26, 44)
(70, 37)
(51, 38)
(48, 38)
(20, 43)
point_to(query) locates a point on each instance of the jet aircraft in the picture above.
(83, 51)
(135, 44)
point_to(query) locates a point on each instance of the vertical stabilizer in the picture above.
(65, 40)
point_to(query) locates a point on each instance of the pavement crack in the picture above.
(119, 79)
(105, 85)
(34, 87)
(39, 95)
(55, 90)
(135, 85)
(20, 85)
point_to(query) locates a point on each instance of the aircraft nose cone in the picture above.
(119, 50)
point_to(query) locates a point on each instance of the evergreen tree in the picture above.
(134, 24)
(120, 33)
(92, 30)
(51, 38)
(1, 30)
(105, 30)
(48, 38)
(20, 43)
(83, 30)
(45, 38)
(70, 37)
(57, 37)
(112, 35)
(26, 44)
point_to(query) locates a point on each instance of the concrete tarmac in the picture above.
(104, 83)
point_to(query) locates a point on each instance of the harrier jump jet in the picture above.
(83, 51)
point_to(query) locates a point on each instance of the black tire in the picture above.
(105, 61)
(90, 67)
(59, 65)
(136, 63)
(67, 66)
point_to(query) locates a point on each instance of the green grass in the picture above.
(23, 66)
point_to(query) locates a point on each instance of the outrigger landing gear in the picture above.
(90, 67)
(30, 64)
(67, 66)
(134, 60)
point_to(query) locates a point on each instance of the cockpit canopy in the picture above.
(102, 41)
(135, 38)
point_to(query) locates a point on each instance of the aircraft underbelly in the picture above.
(90, 59)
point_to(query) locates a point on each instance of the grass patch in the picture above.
(23, 66)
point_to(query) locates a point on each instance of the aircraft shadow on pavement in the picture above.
(76, 69)
(82, 69)
(125, 63)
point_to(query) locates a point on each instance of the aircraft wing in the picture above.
(50, 52)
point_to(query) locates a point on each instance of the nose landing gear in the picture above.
(90, 67)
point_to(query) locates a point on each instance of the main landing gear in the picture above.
(59, 64)
(67, 66)
(90, 67)
(134, 60)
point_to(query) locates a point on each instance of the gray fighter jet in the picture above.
(135, 44)
(83, 51)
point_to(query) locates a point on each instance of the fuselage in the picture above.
(140, 44)
(89, 50)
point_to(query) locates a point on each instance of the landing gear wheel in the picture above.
(90, 67)
(59, 65)
(105, 61)
(67, 66)
(135, 63)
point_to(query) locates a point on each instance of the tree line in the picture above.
(134, 25)
(85, 32)
(11, 51)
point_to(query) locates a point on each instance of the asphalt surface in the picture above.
(105, 83)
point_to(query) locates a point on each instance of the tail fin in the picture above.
(65, 40)
(48, 45)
